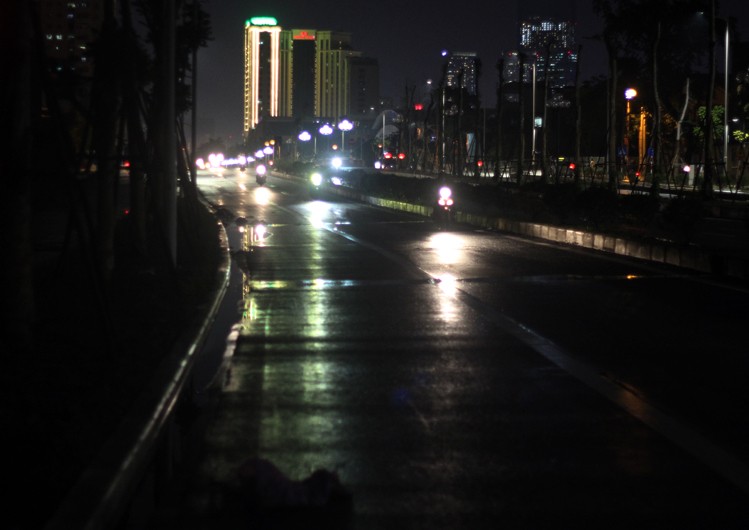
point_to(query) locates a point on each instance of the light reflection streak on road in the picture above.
(446, 298)
(448, 248)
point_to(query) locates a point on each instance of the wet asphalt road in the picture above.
(469, 379)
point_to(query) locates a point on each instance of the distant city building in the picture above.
(69, 29)
(462, 69)
(333, 75)
(304, 74)
(298, 50)
(552, 39)
(262, 67)
(511, 68)
(364, 89)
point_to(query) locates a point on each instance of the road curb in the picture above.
(685, 256)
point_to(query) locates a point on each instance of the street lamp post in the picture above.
(269, 151)
(443, 87)
(326, 130)
(629, 95)
(344, 126)
(305, 137)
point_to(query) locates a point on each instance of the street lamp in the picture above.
(344, 126)
(305, 137)
(326, 130)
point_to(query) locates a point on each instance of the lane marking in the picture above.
(718, 459)
(715, 457)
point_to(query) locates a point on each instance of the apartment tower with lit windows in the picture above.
(69, 29)
(462, 70)
(262, 69)
(551, 39)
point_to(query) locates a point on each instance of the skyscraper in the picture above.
(462, 69)
(546, 37)
(364, 91)
(303, 73)
(262, 67)
(333, 76)
(298, 48)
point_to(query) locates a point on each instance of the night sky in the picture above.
(405, 36)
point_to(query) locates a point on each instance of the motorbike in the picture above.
(253, 233)
(316, 180)
(444, 210)
(260, 175)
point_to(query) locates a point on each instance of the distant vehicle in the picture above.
(260, 174)
(389, 160)
(385, 163)
(443, 211)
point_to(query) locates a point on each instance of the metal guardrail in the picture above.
(104, 493)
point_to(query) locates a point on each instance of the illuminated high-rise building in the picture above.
(462, 69)
(298, 48)
(554, 38)
(304, 73)
(332, 74)
(262, 69)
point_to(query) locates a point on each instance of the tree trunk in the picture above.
(136, 138)
(578, 120)
(611, 162)
(545, 152)
(16, 104)
(500, 95)
(105, 109)
(657, 164)
(521, 107)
